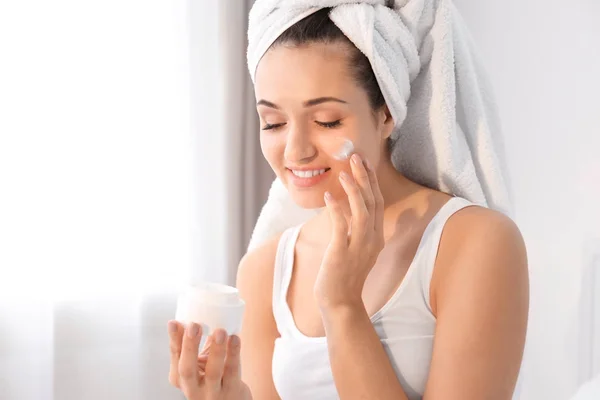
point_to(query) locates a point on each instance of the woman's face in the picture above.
(309, 104)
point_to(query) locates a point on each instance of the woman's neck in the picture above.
(397, 191)
(395, 187)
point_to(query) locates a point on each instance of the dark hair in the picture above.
(319, 28)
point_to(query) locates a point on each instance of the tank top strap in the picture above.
(284, 264)
(430, 242)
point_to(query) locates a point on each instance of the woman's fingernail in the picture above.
(328, 196)
(220, 336)
(172, 326)
(368, 165)
(193, 330)
(355, 159)
(235, 340)
(344, 176)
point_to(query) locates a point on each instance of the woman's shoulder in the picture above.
(255, 283)
(482, 244)
(257, 265)
(475, 222)
(480, 232)
(261, 259)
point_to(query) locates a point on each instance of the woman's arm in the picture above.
(361, 368)
(258, 334)
(480, 293)
(482, 305)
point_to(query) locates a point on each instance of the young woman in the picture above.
(394, 291)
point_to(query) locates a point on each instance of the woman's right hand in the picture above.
(214, 374)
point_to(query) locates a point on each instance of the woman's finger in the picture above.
(232, 371)
(339, 227)
(206, 348)
(216, 361)
(189, 379)
(175, 338)
(361, 176)
(360, 215)
(202, 365)
(203, 357)
(377, 198)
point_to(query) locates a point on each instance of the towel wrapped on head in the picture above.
(447, 134)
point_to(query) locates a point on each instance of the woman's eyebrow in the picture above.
(266, 103)
(320, 100)
(308, 103)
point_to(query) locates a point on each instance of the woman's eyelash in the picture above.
(271, 126)
(332, 124)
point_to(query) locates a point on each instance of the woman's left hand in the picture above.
(352, 251)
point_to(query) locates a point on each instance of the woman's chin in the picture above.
(308, 200)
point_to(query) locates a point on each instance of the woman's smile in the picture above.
(307, 177)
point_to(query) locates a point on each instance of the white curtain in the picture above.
(231, 178)
(125, 171)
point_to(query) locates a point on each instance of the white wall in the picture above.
(544, 60)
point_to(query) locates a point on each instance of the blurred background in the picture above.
(130, 165)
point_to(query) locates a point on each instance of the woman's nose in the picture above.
(298, 147)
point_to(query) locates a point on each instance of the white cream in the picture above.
(212, 306)
(335, 146)
(345, 150)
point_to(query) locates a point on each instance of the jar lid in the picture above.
(214, 293)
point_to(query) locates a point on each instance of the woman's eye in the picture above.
(271, 126)
(329, 124)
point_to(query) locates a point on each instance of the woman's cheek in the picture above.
(273, 148)
(335, 145)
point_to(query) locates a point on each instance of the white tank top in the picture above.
(405, 324)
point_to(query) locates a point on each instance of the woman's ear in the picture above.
(386, 122)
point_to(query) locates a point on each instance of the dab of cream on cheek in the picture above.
(339, 148)
(345, 150)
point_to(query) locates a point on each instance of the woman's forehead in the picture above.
(307, 68)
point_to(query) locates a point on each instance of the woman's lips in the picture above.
(307, 182)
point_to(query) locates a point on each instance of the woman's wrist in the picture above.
(342, 297)
(341, 310)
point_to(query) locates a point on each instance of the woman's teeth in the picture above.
(309, 174)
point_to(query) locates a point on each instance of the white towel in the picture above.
(447, 133)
